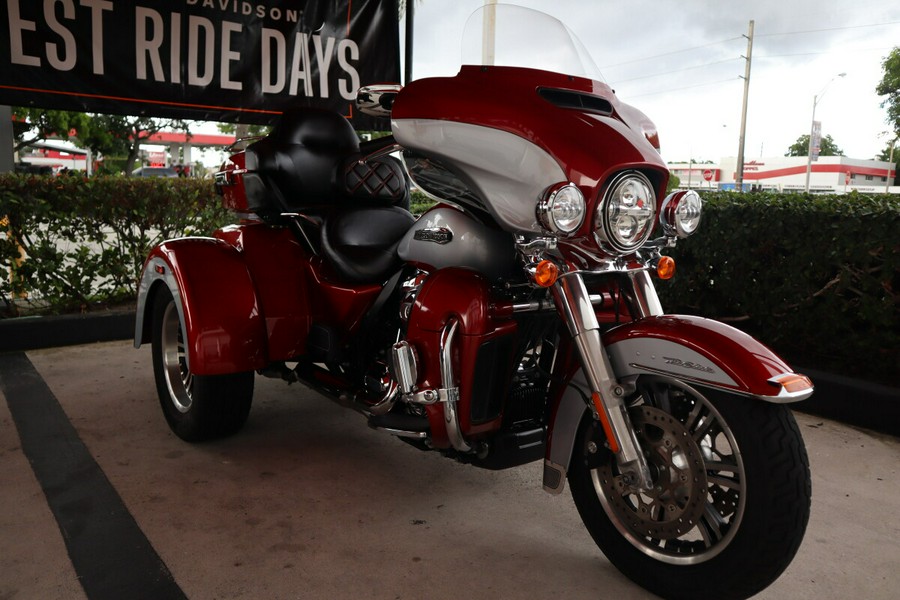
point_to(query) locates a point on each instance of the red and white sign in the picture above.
(707, 175)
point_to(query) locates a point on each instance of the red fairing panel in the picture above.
(589, 147)
(221, 316)
(697, 349)
(464, 295)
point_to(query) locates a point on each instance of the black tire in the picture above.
(196, 407)
(718, 459)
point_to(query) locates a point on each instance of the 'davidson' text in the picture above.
(239, 7)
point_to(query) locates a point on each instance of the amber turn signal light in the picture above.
(665, 268)
(546, 273)
(793, 382)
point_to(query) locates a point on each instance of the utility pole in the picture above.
(739, 176)
(887, 184)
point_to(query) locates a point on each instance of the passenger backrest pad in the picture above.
(300, 162)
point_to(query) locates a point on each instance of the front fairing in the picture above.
(509, 133)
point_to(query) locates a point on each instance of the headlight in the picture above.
(625, 217)
(562, 209)
(680, 213)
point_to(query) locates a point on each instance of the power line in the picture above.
(841, 51)
(628, 62)
(828, 29)
(687, 87)
(709, 64)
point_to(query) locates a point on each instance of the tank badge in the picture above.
(438, 235)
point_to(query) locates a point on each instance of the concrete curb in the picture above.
(32, 333)
(851, 401)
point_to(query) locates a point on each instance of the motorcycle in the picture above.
(516, 320)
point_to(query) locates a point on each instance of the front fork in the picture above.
(607, 395)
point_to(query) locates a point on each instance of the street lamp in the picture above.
(812, 127)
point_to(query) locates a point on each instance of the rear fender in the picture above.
(696, 350)
(216, 302)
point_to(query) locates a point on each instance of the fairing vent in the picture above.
(577, 101)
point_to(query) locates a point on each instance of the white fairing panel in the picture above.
(509, 172)
(648, 355)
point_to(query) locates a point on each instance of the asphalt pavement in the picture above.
(99, 500)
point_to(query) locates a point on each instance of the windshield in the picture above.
(513, 36)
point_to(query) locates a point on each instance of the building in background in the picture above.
(829, 175)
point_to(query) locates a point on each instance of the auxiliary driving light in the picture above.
(680, 213)
(562, 209)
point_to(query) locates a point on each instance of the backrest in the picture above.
(311, 158)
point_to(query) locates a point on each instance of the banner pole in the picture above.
(410, 23)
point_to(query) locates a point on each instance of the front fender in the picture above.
(705, 352)
(692, 349)
(216, 302)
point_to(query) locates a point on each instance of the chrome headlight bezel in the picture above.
(630, 195)
(681, 213)
(562, 208)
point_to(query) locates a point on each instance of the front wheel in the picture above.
(196, 407)
(730, 500)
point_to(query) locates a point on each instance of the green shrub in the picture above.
(814, 277)
(85, 240)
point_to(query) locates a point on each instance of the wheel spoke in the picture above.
(691, 421)
(725, 482)
(713, 465)
(703, 428)
(711, 526)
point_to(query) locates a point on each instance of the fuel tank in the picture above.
(445, 237)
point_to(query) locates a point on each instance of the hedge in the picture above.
(85, 240)
(815, 277)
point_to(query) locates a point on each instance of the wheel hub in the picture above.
(678, 498)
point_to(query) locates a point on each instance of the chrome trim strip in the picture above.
(419, 435)
(448, 380)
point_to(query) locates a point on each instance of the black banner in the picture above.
(222, 60)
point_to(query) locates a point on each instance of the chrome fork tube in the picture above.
(448, 381)
(641, 295)
(574, 305)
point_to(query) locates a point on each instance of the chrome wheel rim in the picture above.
(698, 500)
(179, 379)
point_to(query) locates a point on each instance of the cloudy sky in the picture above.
(680, 62)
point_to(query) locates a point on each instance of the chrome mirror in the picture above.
(377, 100)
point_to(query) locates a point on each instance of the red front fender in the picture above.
(688, 348)
(706, 352)
(216, 302)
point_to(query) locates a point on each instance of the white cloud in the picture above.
(695, 96)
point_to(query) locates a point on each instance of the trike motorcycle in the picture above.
(516, 320)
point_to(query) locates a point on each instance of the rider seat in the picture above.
(311, 161)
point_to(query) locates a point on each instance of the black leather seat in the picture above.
(312, 161)
(361, 244)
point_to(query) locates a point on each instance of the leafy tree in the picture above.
(890, 86)
(117, 135)
(33, 124)
(243, 130)
(828, 147)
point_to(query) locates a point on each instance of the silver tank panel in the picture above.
(445, 237)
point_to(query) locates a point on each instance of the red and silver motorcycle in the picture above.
(514, 321)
